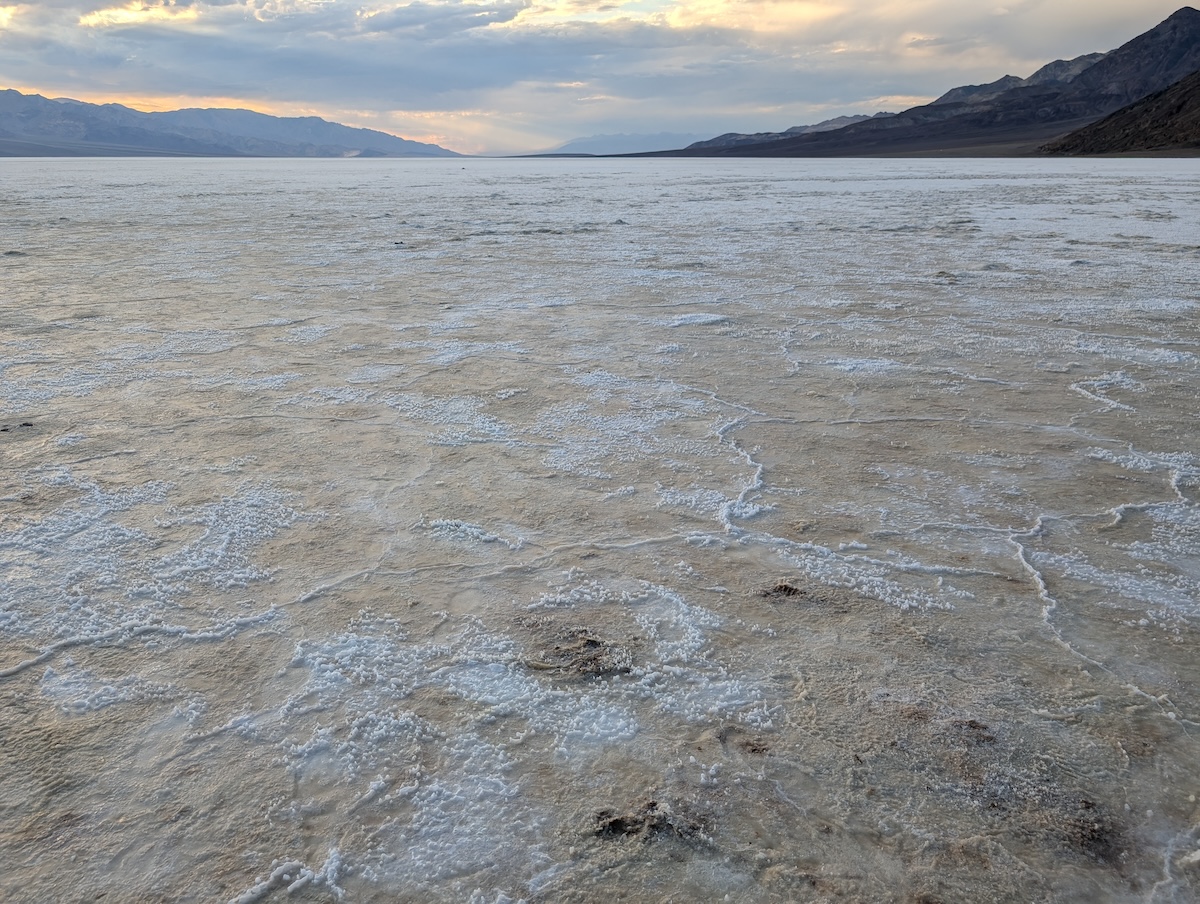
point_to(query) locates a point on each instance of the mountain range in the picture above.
(1143, 96)
(32, 126)
(1010, 116)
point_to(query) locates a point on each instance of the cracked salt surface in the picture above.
(81, 572)
(846, 549)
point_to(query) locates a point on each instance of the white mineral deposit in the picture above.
(599, 530)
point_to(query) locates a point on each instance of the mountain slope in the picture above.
(306, 131)
(1167, 120)
(38, 126)
(1018, 119)
(733, 139)
(623, 144)
(34, 125)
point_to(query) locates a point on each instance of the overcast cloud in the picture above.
(520, 75)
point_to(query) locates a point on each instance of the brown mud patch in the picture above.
(575, 649)
(650, 819)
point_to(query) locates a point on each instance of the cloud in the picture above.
(522, 74)
(140, 13)
(942, 41)
(766, 16)
(437, 20)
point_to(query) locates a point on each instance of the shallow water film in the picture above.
(574, 531)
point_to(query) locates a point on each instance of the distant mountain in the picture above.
(625, 144)
(306, 132)
(32, 125)
(1168, 120)
(1060, 72)
(734, 139)
(1006, 118)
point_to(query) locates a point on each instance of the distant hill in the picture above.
(1011, 116)
(625, 144)
(1166, 121)
(32, 125)
(734, 139)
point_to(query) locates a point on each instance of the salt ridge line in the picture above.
(1050, 605)
(216, 631)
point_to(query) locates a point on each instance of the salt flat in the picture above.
(599, 530)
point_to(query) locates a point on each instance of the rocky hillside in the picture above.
(1168, 120)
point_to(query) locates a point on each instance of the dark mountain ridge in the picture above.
(1168, 120)
(1059, 98)
(32, 125)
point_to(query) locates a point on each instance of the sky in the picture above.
(513, 76)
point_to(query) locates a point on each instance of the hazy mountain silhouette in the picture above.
(32, 125)
(734, 139)
(621, 144)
